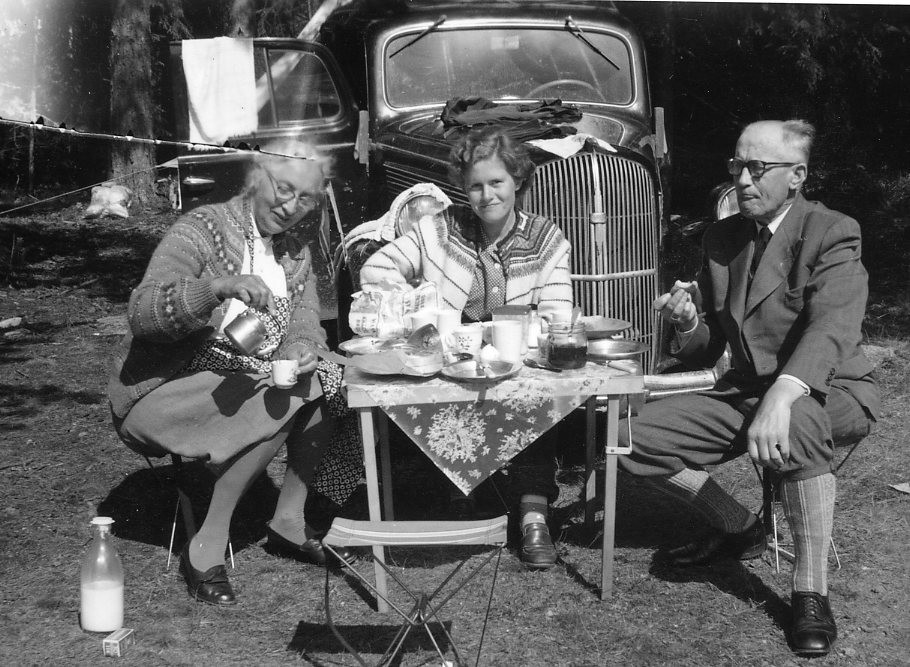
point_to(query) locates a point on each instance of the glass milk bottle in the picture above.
(101, 606)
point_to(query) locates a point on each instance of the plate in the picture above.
(597, 326)
(401, 359)
(611, 348)
(471, 371)
(361, 345)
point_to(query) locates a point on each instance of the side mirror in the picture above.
(724, 201)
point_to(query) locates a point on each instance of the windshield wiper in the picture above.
(426, 31)
(577, 32)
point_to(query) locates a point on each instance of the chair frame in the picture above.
(346, 532)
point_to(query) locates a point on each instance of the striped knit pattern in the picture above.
(809, 507)
(698, 489)
(174, 309)
(445, 251)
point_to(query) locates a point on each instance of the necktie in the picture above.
(761, 242)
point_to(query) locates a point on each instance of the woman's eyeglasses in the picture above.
(285, 193)
(756, 168)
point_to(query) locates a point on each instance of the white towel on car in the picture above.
(221, 88)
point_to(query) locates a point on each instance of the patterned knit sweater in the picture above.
(535, 255)
(174, 310)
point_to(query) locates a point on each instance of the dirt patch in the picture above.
(61, 464)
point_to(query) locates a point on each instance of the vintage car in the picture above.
(374, 89)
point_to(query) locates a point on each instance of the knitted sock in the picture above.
(809, 507)
(532, 508)
(698, 489)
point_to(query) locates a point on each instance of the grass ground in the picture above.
(61, 464)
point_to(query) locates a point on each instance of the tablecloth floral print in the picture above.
(469, 441)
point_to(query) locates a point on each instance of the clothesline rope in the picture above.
(87, 187)
(188, 145)
(119, 137)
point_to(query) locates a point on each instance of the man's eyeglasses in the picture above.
(285, 193)
(756, 168)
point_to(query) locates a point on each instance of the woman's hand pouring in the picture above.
(250, 289)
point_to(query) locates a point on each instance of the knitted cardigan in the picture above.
(174, 310)
(535, 255)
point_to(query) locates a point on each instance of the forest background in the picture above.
(102, 67)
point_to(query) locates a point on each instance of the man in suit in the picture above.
(782, 286)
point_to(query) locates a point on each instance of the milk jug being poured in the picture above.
(101, 605)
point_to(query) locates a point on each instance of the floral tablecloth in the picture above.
(471, 430)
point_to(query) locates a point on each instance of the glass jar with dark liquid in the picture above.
(567, 345)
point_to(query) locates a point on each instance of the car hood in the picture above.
(422, 132)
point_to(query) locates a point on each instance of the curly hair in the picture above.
(487, 142)
(284, 150)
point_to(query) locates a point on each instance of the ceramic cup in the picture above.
(447, 320)
(467, 339)
(508, 337)
(422, 318)
(284, 373)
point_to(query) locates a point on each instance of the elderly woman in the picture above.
(179, 386)
(483, 257)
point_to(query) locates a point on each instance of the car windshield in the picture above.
(506, 64)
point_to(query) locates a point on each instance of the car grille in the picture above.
(613, 263)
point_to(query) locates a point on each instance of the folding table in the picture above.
(469, 430)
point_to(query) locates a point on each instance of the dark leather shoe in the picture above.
(311, 551)
(211, 586)
(537, 551)
(813, 630)
(751, 543)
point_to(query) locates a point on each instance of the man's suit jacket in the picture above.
(802, 314)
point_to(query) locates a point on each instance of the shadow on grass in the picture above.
(645, 518)
(20, 404)
(144, 506)
(731, 577)
(311, 639)
(109, 256)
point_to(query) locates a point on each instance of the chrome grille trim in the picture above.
(614, 264)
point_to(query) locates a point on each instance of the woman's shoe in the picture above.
(311, 551)
(211, 586)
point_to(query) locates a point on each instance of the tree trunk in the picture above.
(132, 164)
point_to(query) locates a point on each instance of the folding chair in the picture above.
(183, 506)
(424, 606)
(770, 483)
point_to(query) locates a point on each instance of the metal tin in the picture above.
(246, 332)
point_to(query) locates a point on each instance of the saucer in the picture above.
(472, 371)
